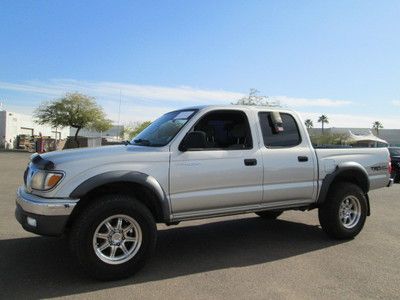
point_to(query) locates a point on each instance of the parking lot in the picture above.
(232, 257)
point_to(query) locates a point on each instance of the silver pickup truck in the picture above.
(193, 163)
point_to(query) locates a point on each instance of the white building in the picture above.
(14, 124)
(114, 133)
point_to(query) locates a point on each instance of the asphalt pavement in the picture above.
(231, 257)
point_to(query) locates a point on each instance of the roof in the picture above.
(365, 137)
(243, 107)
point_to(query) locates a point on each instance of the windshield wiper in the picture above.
(142, 142)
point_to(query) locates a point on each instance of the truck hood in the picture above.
(99, 154)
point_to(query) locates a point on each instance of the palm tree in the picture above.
(309, 123)
(323, 120)
(377, 125)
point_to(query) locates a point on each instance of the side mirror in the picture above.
(277, 121)
(193, 140)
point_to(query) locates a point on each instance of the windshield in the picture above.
(394, 151)
(164, 129)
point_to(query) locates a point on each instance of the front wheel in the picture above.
(113, 237)
(343, 214)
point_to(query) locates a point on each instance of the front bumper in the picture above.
(43, 216)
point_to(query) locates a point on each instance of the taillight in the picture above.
(390, 165)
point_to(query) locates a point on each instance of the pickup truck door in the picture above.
(223, 176)
(289, 161)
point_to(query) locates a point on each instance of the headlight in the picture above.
(44, 181)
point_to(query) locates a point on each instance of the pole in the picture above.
(119, 113)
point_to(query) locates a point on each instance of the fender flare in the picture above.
(362, 179)
(125, 176)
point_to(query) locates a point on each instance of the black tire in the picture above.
(89, 220)
(269, 214)
(330, 212)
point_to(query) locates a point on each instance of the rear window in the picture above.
(288, 137)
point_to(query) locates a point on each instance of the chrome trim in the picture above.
(44, 206)
(391, 180)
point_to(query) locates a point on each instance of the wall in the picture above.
(13, 124)
(392, 136)
(114, 132)
(2, 128)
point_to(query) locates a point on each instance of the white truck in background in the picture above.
(194, 163)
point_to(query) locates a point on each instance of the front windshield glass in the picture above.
(163, 130)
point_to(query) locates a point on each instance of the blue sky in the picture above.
(340, 58)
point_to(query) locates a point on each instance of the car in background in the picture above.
(395, 156)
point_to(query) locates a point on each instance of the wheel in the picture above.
(269, 214)
(113, 237)
(343, 214)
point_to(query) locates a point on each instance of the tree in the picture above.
(134, 129)
(75, 110)
(377, 125)
(255, 99)
(323, 120)
(309, 123)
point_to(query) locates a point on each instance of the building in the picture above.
(366, 137)
(114, 133)
(13, 125)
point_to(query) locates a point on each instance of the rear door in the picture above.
(289, 161)
(224, 175)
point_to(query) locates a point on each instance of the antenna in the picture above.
(119, 113)
(2, 106)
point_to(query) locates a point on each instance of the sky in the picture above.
(338, 58)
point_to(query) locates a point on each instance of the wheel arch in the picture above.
(142, 186)
(347, 172)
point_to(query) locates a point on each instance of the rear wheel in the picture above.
(344, 212)
(113, 237)
(269, 214)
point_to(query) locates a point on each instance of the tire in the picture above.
(126, 248)
(343, 214)
(269, 214)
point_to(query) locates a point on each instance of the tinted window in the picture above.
(272, 137)
(225, 130)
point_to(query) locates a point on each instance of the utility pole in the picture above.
(119, 114)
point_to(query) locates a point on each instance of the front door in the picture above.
(224, 175)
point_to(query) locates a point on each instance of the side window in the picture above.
(288, 137)
(225, 129)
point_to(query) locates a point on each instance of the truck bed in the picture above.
(373, 160)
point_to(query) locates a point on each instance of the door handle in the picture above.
(250, 162)
(302, 158)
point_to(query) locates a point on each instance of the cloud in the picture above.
(354, 121)
(140, 102)
(154, 93)
(134, 91)
(396, 102)
(301, 102)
